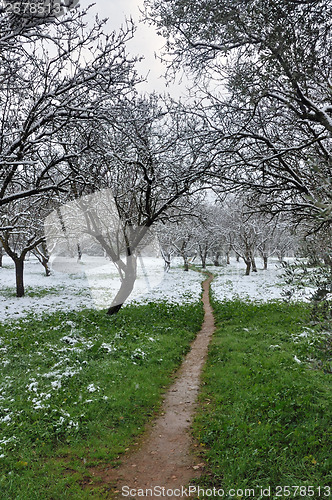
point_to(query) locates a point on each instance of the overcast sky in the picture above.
(146, 42)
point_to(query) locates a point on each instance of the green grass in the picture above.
(77, 388)
(264, 418)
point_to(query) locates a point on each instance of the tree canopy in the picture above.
(268, 109)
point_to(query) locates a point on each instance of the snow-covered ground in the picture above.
(93, 283)
(231, 282)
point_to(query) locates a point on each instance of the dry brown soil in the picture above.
(166, 457)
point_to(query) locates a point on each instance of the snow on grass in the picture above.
(91, 283)
(62, 368)
(94, 282)
(231, 282)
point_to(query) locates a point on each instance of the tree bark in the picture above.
(281, 256)
(167, 263)
(185, 262)
(265, 262)
(79, 253)
(43, 257)
(248, 266)
(253, 264)
(167, 259)
(127, 285)
(47, 269)
(19, 268)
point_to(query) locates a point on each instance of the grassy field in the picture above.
(76, 388)
(265, 413)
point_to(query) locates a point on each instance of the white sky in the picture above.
(146, 42)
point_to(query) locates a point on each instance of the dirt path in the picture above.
(165, 458)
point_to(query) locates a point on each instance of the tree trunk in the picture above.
(126, 287)
(248, 266)
(167, 259)
(216, 259)
(228, 261)
(237, 258)
(125, 290)
(79, 253)
(185, 261)
(281, 256)
(43, 257)
(253, 263)
(1, 255)
(265, 262)
(167, 263)
(47, 269)
(19, 269)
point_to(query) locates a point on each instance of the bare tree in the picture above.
(270, 127)
(179, 238)
(207, 231)
(285, 240)
(51, 88)
(22, 232)
(21, 21)
(241, 231)
(41, 252)
(147, 157)
(47, 89)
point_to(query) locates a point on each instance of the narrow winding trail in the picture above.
(165, 458)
